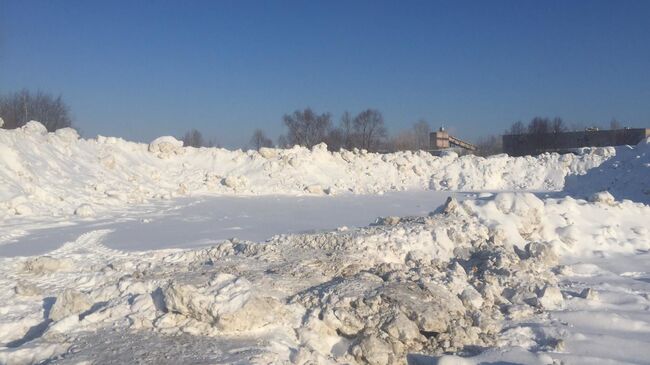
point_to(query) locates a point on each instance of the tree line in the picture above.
(18, 108)
(365, 130)
(306, 127)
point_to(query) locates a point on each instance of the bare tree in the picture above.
(342, 136)
(404, 141)
(539, 126)
(369, 128)
(307, 128)
(558, 126)
(19, 108)
(615, 124)
(347, 130)
(283, 142)
(335, 139)
(490, 145)
(259, 140)
(212, 142)
(193, 138)
(422, 130)
(516, 128)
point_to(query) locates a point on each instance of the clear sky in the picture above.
(139, 69)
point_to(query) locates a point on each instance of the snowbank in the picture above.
(626, 176)
(59, 174)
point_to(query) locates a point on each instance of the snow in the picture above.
(118, 252)
(625, 176)
(54, 174)
(195, 222)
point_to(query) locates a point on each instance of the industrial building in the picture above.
(534, 144)
(441, 140)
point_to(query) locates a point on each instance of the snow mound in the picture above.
(55, 173)
(567, 225)
(626, 176)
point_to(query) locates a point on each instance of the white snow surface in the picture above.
(45, 174)
(482, 272)
(625, 176)
(511, 277)
(191, 222)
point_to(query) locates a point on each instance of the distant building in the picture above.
(441, 140)
(534, 144)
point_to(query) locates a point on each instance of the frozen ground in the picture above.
(86, 229)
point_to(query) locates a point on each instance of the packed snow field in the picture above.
(191, 222)
(506, 276)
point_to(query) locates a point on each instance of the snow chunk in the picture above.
(388, 221)
(26, 289)
(34, 127)
(165, 146)
(401, 328)
(315, 189)
(268, 153)
(319, 148)
(589, 293)
(471, 298)
(45, 264)
(227, 303)
(67, 134)
(603, 197)
(84, 210)
(551, 298)
(69, 303)
(235, 182)
(23, 209)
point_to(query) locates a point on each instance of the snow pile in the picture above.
(571, 227)
(444, 283)
(626, 176)
(59, 174)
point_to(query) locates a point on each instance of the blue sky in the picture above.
(139, 69)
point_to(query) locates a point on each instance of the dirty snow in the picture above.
(510, 277)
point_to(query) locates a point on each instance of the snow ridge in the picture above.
(60, 174)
